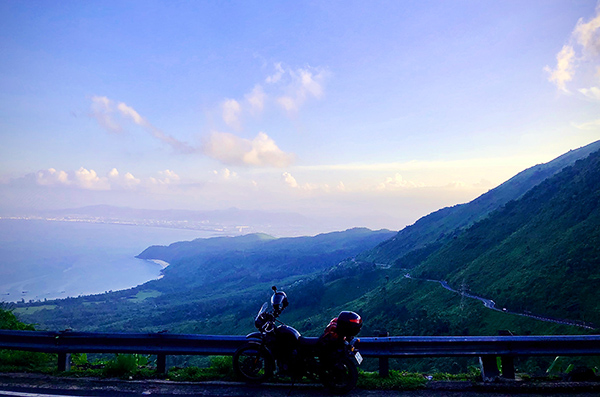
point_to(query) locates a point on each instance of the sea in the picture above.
(42, 260)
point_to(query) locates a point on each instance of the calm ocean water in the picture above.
(47, 260)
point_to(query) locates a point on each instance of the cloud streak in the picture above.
(104, 111)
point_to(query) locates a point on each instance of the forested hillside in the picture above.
(429, 233)
(257, 257)
(536, 254)
(208, 281)
(540, 253)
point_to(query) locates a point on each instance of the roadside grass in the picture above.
(138, 367)
(397, 380)
(219, 368)
(22, 361)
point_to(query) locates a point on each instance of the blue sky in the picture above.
(367, 113)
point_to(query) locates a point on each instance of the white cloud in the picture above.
(51, 177)
(131, 113)
(275, 78)
(305, 83)
(86, 179)
(89, 179)
(256, 98)
(396, 182)
(578, 55)
(438, 166)
(166, 177)
(289, 180)
(231, 113)
(591, 125)
(591, 93)
(82, 178)
(288, 104)
(226, 174)
(103, 110)
(456, 185)
(311, 83)
(564, 70)
(587, 34)
(262, 151)
(130, 180)
(290, 88)
(125, 181)
(483, 183)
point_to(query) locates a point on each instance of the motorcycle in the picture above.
(279, 350)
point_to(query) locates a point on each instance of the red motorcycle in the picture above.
(278, 349)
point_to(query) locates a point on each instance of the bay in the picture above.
(50, 259)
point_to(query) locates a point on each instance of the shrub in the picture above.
(122, 365)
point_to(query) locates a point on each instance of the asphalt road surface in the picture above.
(33, 385)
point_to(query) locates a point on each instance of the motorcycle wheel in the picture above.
(253, 363)
(342, 377)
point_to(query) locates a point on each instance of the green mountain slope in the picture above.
(540, 253)
(432, 231)
(258, 257)
(210, 282)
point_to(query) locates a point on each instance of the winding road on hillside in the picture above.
(490, 304)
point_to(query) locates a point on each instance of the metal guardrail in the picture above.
(487, 348)
(151, 343)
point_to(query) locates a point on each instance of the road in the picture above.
(490, 304)
(64, 387)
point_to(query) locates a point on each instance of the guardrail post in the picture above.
(489, 368)
(384, 362)
(508, 367)
(161, 363)
(64, 362)
(507, 362)
(384, 367)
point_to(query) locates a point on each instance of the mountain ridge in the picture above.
(442, 225)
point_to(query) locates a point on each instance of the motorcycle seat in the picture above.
(308, 341)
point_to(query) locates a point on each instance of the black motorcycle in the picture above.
(279, 350)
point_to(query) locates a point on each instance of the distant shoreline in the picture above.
(159, 262)
(61, 259)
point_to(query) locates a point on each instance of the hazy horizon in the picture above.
(358, 113)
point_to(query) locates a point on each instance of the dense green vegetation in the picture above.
(540, 253)
(437, 228)
(212, 285)
(11, 360)
(535, 252)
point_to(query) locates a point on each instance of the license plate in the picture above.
(358, 358)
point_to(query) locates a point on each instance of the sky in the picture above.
(359, 113)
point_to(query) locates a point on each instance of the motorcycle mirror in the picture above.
(274, 288)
